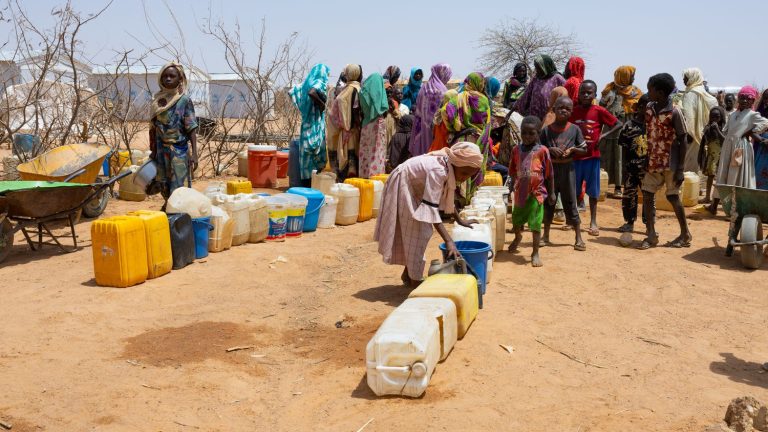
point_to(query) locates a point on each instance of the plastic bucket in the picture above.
(476, 255)
(201, 227)
(27, 145)
(262, 165)
(297, 210)
(277, 208)
(315, 201)
(105, 165)
(282, 164)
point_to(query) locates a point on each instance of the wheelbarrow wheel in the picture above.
(6, 239)
(751, 231)
(95, 207)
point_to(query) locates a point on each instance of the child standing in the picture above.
(633, 142)
(563, 140)
(711, 144)
(400, 142)
(174, 128)
(667, 144)
(530, 168)
(591, 119)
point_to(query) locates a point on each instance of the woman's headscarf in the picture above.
(312, 135)
(411, 90)
(470, 108)
(748, 91)
(556, 93)
(169, 96)
(427, 104)
(546, 65)
(492, 87)
(623, 78)
(696, 103)
(574, 76)
(392, 74)
(463, 154)
(373, 98)
(341, 108)
(520, 73)
(515, 85)
(317, 80)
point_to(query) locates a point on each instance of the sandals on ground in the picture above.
(580, 247)
(626, 228)
(679, 242)
(649, 243)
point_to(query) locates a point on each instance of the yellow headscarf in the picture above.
(169, 96)
(623, 78)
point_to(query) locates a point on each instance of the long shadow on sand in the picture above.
(392, 295)
(715, 256)
(740, 371)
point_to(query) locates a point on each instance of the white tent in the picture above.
(229, 96)
(17, 67)
(132, 88)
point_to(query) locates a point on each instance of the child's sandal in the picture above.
(648, 243)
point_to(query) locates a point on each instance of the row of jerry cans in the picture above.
(144, 244)
(358, 200)
(403, 354)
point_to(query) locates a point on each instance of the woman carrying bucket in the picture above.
(413, 197)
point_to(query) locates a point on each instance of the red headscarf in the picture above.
(574, 70)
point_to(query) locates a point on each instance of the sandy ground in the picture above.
(671, 336)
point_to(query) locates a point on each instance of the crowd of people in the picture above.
(437, 144)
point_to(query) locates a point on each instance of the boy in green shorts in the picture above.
(530, 167)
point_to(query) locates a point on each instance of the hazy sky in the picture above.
(653, 35)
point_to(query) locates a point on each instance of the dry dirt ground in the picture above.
(670, 336)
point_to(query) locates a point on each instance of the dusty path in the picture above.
(677, 334)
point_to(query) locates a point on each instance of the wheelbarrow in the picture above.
(748, 210)
(78, 163)
(32, 206)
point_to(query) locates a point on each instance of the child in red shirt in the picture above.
(591, 119)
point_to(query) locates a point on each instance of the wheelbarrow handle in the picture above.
(74, 174)
(118, 177)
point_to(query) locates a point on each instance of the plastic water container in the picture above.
(380, 177)
(349, 203)
(214, 188)
(441, 309)
(378, 191)
(483, 232)
(689, 193)
(492, 178)
(282, 164)
(296, 211)
(235, 187)
(189, 201)
(223, 226)
(128, 190)
(476, 256)
(242, 164)
(327, 217)
(237, 208)
(366, 197)
(315, 200)
(461, 289)
(158, 239)
(277, 209)
(323, 181)
(690, 189)
(258, 218)
(262, 165)
(202, 228)
(603, 185)
(119, 251)
(182, 240)
(403, 354)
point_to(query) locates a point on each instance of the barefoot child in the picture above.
(174, 128)
(633, 140)
(531, 171)
(563, 140)
(711, 143)
(591, 119)
(667, 144)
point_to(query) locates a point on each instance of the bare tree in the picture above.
(520, 40)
